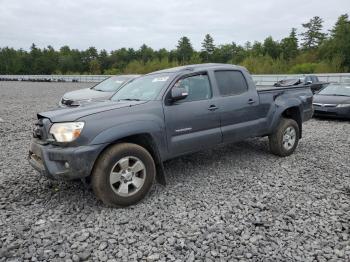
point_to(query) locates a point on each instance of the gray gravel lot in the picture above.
(236, 202)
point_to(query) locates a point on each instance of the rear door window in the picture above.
(231, 82)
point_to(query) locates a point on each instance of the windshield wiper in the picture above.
(130, 99)
(335, 95)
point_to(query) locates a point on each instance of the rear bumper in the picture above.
(63, 163)
(335, 112)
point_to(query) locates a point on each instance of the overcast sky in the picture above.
(111, 24)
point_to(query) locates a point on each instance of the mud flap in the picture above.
(160, 177)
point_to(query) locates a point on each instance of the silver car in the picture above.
(102, 91)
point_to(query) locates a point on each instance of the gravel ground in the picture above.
(236, 202)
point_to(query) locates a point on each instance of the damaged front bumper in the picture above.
(63, 162)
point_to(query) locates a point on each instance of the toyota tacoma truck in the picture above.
(120, 145)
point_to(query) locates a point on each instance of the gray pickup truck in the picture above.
(120, 145)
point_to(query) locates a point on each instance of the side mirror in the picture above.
(178, 93)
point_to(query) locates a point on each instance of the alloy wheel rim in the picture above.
(127, 176)
(289, 138)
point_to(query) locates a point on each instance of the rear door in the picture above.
(193, 123)
(240, 111)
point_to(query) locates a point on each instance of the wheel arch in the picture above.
(295, 114)
(146, 141)
(291, 109)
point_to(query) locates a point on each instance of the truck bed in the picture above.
(261, 88)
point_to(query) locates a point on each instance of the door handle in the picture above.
(213, 108)
(251, 101)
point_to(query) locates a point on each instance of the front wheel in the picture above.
(284, 140)
(123, 175)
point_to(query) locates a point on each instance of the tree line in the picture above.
(311, 51)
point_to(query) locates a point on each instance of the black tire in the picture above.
(276, 139)
(107, 161)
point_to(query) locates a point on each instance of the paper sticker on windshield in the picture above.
(119, 81)
(160, 79)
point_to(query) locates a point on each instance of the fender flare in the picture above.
(281, 107)
(151, 128)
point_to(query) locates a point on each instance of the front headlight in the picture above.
(343, 105)
(66, 132)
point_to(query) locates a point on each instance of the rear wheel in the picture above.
(284, 140)
(123, 175)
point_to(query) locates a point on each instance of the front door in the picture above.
(193, 123)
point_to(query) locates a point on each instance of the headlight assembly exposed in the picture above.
(66, 132)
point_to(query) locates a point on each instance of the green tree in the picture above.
(271, 48)
(87, 56)
(162, 54)
(238, 53)
(46, 63)
(184, 50)
(103, 60)
(289, 45)
(338, 44)
(35, 54)
(120, 58)
(145, 53)
(208, 47)
(11, 61)
(195, 58)
(313, 35)
(223, 54)
(66, 64)
(95, 67)
(248, 46)
(257, 49)
(318, 54)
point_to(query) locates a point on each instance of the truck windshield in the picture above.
(111, 84)
(142, 88)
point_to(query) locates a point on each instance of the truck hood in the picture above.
(86, 94)
(328, 99)
(74, 113)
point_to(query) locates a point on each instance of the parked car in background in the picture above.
(333, 101)
(121, 144)
(311, 80)
(102, 91)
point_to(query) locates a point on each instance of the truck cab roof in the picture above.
(199, 67)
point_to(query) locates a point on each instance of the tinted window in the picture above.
(231, 82)
(198, 87)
